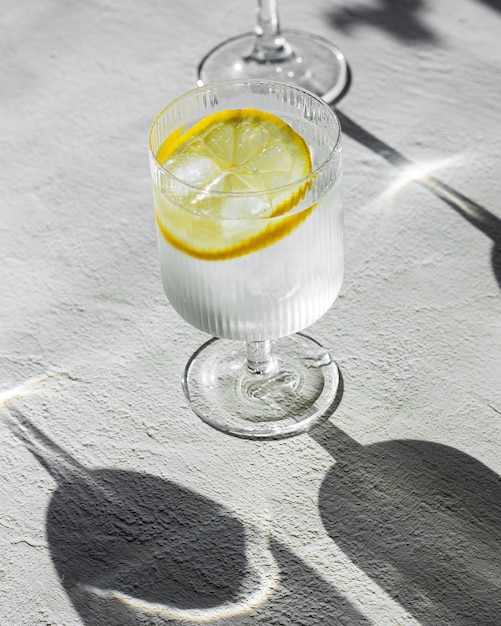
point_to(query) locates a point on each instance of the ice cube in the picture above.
(250, 207)
(196, 171)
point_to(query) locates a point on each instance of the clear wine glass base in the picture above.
(294, 391)
(314, 63)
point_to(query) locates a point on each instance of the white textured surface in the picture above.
(388, 534)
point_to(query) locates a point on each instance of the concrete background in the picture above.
(118, 506)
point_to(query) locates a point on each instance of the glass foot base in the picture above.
(315, 64)
(296, 390)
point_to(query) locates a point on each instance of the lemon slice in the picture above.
(231, 192)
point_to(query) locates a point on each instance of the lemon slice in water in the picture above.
(230, 192)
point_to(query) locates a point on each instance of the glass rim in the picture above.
(243, 194)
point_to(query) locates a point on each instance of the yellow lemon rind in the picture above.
(262, 239)
(177, 139)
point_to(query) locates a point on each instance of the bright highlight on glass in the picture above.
(247, 197)
(303, 59)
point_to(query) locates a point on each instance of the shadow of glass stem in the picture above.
(134, 549)
(471, 211)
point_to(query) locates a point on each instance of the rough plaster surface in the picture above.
(119, 507)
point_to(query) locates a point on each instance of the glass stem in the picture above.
(260, 358)
(270, 45)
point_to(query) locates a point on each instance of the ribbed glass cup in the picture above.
(268, 291)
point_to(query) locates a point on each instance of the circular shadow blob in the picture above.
(423, 520)
(146, 538)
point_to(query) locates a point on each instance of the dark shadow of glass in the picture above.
(485, 221)
(422, 519)
(303, 598)
(402, 19)
(119, 539)
(494, 4)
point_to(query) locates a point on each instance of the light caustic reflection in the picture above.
(260, 560)
(421, 173)
(28, 387)
(424, 174)
(384, 204)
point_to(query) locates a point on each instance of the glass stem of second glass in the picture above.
(260, 358)
(270, 45)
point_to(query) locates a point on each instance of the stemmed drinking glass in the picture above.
(290, 56)
(246, 261)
